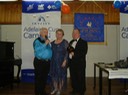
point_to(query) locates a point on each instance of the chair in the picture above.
(18, 63)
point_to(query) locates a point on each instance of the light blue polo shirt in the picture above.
(41, 50)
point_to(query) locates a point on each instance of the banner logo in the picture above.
(89, 24)
(41, 21)
(126, 8)
(41, 7)
(30, 7)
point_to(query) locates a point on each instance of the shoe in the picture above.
(58, 93)
(82, 93)
(73, 93)
(44, 94)
(53, 92)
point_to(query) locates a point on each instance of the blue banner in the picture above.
(38, 7)
(124, 7)
(91, 26)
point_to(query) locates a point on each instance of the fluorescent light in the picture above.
(8, 0)
(89, 0)
(92, 0)
(40, 0)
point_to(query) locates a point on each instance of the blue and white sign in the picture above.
(35, 15)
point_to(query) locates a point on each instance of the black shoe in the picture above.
(82, 94)
(73, 93)
(44, 94)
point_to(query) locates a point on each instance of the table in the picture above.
(112, 74)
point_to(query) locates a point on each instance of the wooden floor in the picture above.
(28, 88)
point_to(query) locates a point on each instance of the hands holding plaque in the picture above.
(70, 49)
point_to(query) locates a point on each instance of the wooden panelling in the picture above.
(11, 13)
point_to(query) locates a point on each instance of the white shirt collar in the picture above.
(77, 39)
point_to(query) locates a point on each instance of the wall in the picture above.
(108, 52)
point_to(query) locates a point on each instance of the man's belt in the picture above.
(46, 60)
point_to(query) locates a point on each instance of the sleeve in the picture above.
(39, 48)
(66, 46)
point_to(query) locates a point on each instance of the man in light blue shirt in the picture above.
(43, 54)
